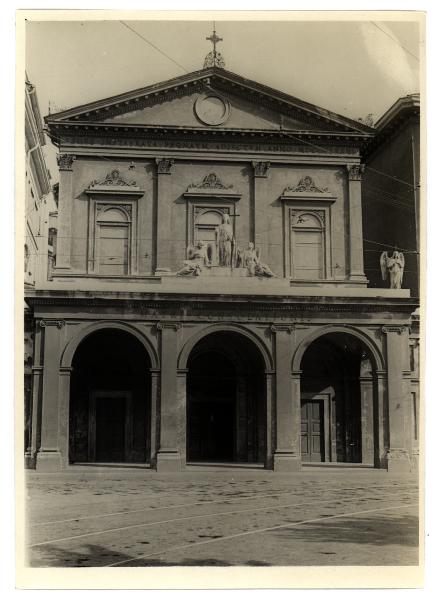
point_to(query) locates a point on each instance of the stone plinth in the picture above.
(216, 271)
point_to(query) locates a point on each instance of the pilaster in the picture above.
(258, 232)
(398, 456)
(65, 208)
(367, 421)
(287, 455)
(154, 414)
(356, 255)
(49, 457)
(270, 419)
(164, 168)
(64, 413)
(169, 456)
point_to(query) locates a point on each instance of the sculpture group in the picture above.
(229, 255)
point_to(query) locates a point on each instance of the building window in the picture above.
(307, 245)
(113, 229)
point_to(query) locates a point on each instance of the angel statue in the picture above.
(394, 265)
(251, 260)
(197, 258)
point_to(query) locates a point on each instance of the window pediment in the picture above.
(113, 183)
(306, 189)
(212, 186)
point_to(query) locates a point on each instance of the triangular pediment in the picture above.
(211, 98)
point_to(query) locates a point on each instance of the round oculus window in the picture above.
(212, 109)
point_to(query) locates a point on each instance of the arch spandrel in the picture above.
(72, 345)
(314, 334)
(223, 328)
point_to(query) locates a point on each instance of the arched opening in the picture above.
(337, 401)
(110, 399)
(226, 411)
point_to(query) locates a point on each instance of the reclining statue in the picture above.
(250, 258)
(197, 258)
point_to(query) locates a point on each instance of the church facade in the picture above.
(209, 301)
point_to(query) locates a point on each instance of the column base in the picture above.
(358, 278)
(48, 461)
(163, 272)
(61, 269)
(168, 462)
(29, 460)
(398, 461)
(286, 462)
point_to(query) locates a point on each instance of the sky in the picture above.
(352, 68)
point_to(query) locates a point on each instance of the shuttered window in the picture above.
(113, 234)
(307, 251)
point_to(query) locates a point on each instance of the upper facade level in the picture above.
(206, 176)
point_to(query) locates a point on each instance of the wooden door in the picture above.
(312, 431)
(110, 426)
(308, 255)
(211, 431)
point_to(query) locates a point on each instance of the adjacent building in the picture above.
(212, 298)
(37, 252)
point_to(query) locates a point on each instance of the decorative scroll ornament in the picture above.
(214, 59)
(113, 179)
(306, 184)
(65, 161)
(211, 181)
(355, 172)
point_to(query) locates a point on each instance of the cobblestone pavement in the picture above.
(95, 516)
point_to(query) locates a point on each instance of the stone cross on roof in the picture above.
(214, 58)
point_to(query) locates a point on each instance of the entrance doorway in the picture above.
(337, 412)
(225, 401)
(110, 400)
(312, 431)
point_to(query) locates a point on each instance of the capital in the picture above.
(355, 172)
(59, 324)
(282, 327)
(260, 169)
(168, 325)
(65, 161)
(164, 166)
(393, 329)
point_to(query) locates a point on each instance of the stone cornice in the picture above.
(192, 304)
(109, 134)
